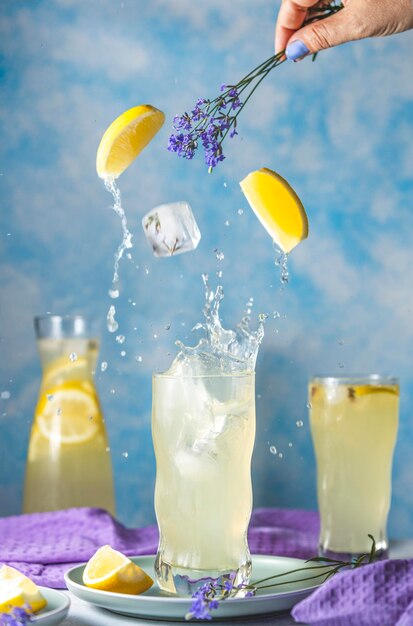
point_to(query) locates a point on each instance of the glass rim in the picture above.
(162, 375)
(65, 327)
(356, 379)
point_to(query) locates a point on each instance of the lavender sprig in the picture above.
(210, 121)
(208, 597)
(17, 617)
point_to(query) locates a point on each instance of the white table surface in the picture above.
(83, 614)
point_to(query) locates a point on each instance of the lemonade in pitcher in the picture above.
(68, 460)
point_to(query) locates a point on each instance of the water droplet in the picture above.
(113, 391)
(227, 223)
(111, 323)
(90, 417)
(273, 450)
(107, 449)
(220, 256)
(49, 396)
(103, 366)
(240, 211)
(290, 445)
(341, 342)
(299, 423)
(146, 271)
(219, 274)
(167, 327)
(276, 315)
(125, 455)
(114, 293)
(155, 336)
(73, 356)
(139, 358)
(59, 411)
(259, 396)
(5, 395)
(341, 365)
(309, 405)
(280, 455)
(123, 353)
(225, 184)
(120, 338)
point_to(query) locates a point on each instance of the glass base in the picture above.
(381, 553)
(185, 582)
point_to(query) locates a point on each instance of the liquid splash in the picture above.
(281, 261)
(126, 243)
(220, 351)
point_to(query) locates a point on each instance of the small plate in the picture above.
(56, 609)
(156, 604)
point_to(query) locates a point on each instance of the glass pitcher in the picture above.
(68, 462)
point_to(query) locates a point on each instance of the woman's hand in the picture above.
(359, 19)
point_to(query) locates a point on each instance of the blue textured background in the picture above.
(340, 130)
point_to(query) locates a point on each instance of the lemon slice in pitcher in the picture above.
(110, 570)
(68, 413)
(17, 590)
(125, 138)
(277, 206)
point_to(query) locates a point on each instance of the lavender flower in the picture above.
(210, 121)
(17, 617)
(204, 601)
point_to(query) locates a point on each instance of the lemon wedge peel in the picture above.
(277, 206)
(110, 570)
(17, 590)
(69, 413)
(364, 390)
(125, 138)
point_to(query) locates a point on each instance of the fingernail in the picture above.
(296, 50)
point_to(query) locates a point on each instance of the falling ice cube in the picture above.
(171, 229)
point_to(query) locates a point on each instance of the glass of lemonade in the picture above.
(68, 462)
(354, 427)
(203, 430)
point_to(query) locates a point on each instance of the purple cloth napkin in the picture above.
(45, 545)
(380, 594)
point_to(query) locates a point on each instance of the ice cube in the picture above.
(171, 229)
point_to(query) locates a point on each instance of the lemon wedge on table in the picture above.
(277, 206)
(68, 413)
(125, 138)
(110, 570)
(17, 590)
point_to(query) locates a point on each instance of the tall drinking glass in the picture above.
(203, 431)
(68, 461)
(354, 427)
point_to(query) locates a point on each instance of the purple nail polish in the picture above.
(296, 50)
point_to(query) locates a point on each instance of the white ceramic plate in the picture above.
(56, 609)
(156, 604)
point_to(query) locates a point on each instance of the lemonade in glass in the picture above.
(354, 427)
(203, 429)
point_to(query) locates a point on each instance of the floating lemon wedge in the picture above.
(68, 413)
(277, 206)
(110, 570)
(125, 138)
(17, 590)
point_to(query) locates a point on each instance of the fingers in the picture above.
(290, 18)
(331, 31)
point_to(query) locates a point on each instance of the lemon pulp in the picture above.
(277, 206)
(125, 138)
(110, 570)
